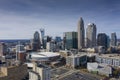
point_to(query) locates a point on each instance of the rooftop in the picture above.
(112, 56)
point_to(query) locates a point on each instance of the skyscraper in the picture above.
(42, 34)
(102, 40)
(36, 41)
(71, 40)
(91, 35)
(81, 34)
(113, 39)
(3, 49)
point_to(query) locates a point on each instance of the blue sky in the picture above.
(19, 19)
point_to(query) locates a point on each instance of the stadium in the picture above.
(44, 57)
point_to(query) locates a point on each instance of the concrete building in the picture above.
(3, 49)
(113, 39)
(99, 69)
(91, 35)
(13, 72)
(102, 40)
(81, 34)
(40, 72)
(50, 46)
(71, 40)
(36, 45)
(20, 53)
(110, 59)
(77, 60)
(45, 40)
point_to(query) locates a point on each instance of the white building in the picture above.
(40, 72)
(110, 59)
(20, 49)
(50, 46)
(99, 68)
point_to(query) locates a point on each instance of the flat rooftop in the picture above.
(112, 56)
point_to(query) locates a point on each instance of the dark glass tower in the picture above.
(71, 40)
(102, 40)
(36, 41)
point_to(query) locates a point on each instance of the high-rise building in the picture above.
(36, 41)
(102, 40)
(45, 40)
(42, 34)
(3, 49)
(71, 40)
(113, 39)
(91, 35)
(81, 34)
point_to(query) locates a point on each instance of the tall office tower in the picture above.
(91, 35)
(81, 34)
(113, 39)
(102, 40)
(71, 40)
(3, 49)
(36, 41)
(42, 34)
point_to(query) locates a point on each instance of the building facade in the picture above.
(81, 34)
(42, 34)
(113, 39)
(3, 49)
(91, 35)
(74, 61)
(102, 40)
(13, 72)
(51, 46)
(40, 72)
(113, 59)
(36, 41)
(71, 40)
(45, 40)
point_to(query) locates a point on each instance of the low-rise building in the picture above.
(110, 59)
(40, 72)
(77, 60)
(100, 69)
(18, 72)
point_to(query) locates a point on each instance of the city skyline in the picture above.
(56, 17)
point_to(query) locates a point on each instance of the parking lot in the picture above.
(63, 73)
